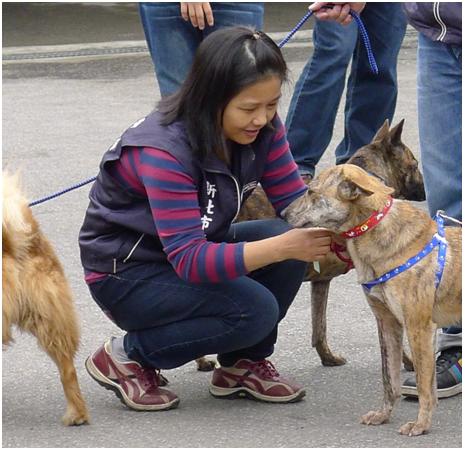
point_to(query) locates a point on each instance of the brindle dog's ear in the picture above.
(395, 134)
(351, 190)
(383, 132)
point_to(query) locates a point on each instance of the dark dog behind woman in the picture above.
(162, 255)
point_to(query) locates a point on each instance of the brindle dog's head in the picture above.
(338, 199)
(391, 160)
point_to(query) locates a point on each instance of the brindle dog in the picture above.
(395, 235)
(387, 158)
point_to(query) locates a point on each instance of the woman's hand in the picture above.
(339, 13)
(304, 244)
(196, 13)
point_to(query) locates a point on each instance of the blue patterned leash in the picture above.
(362, 30)
(57, 194)
(438, 239)
(289, 36)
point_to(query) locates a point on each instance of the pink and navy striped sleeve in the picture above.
(281, 180)
(173, 199)
(174, 204)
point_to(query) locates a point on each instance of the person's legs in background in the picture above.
(314, 104)
(172, 41)
(229, 14)
(439, 87)
(371, 98)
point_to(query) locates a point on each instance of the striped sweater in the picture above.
(173, 199)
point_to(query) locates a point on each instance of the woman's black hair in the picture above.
(226, 62)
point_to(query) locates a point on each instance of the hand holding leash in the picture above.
(338, 11)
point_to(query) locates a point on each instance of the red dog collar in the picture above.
(371, 222)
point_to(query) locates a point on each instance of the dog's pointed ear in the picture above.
(383, 132)
(350, 189)
(396, 132)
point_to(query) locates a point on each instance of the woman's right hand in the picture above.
(304, 244)
(307, 244)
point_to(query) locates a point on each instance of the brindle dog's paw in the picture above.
(332, 360)
(204, 365)
(374, 418)
(413, 429)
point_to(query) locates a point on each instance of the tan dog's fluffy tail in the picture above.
(13, 203)
(15, 227)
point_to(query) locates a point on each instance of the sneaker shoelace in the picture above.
(266, 368)
(148, 378)
(446, 360)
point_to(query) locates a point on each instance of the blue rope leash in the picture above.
(362, 30)
(57, 194)
(370, 55)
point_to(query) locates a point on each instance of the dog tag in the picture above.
(317, 267)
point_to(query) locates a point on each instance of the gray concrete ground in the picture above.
(59, 116)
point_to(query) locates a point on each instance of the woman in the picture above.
(161, 254)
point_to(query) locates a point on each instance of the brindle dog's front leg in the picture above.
(391, 344)
(319, 295)
(421, 331)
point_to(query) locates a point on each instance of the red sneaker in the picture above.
(136, 386)
(256, 380)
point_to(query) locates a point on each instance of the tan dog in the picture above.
(341, 199)
(389, 159)
(36, 295)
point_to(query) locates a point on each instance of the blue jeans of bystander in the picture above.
(370, 98)
(439, 99)
(172, 41)
(170, 322)
(439, 92)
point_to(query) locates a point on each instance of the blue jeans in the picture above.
(172, 41)
(170, 322)
(370, 98)
(439, 101)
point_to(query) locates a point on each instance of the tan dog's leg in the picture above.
(53, 321)
(76, 412)
(421, 332)
(391, 348)
(319, 296)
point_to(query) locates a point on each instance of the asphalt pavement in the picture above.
(75, 76)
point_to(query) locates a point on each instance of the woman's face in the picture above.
(250, 110)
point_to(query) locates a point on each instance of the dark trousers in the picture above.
(170, 322)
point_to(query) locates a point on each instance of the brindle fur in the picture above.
(391, 160)
(341, 198)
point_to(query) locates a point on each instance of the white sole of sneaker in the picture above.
(410, 391)
(119, 391)
(233, 393)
